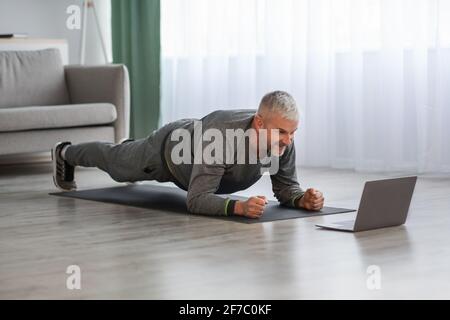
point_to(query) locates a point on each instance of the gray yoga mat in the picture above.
(170, 199)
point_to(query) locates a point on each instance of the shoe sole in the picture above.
(125, 140)
(54, 170)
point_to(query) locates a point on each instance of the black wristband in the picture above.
(230, 207)
(296, 199)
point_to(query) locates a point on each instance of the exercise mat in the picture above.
(173, 200)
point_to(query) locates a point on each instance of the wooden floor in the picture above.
(134, 253)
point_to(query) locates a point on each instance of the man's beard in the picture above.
(277, 150)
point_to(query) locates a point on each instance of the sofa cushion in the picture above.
(63, 116)
(32, 78)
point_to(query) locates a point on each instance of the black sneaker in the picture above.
(63, 172)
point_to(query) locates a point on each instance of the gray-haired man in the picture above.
(154, 158)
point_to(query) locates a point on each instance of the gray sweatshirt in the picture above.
(203, 182)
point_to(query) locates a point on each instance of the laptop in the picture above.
(384, 203)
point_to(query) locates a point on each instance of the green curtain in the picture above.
(136, 43)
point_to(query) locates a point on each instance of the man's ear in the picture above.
(259, 123)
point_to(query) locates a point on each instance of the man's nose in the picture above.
(289, 139)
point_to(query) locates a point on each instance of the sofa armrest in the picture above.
(106, 83)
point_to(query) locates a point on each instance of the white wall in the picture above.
(47, 19)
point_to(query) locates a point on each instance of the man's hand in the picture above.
(312, 200)
(252, 208)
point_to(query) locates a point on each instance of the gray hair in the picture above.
(279, 102)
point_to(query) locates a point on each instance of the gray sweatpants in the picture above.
(127, 162)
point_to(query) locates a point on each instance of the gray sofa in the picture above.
(43, 102)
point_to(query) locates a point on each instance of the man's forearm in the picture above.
(209, 204)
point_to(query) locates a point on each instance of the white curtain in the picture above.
(371, 77)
